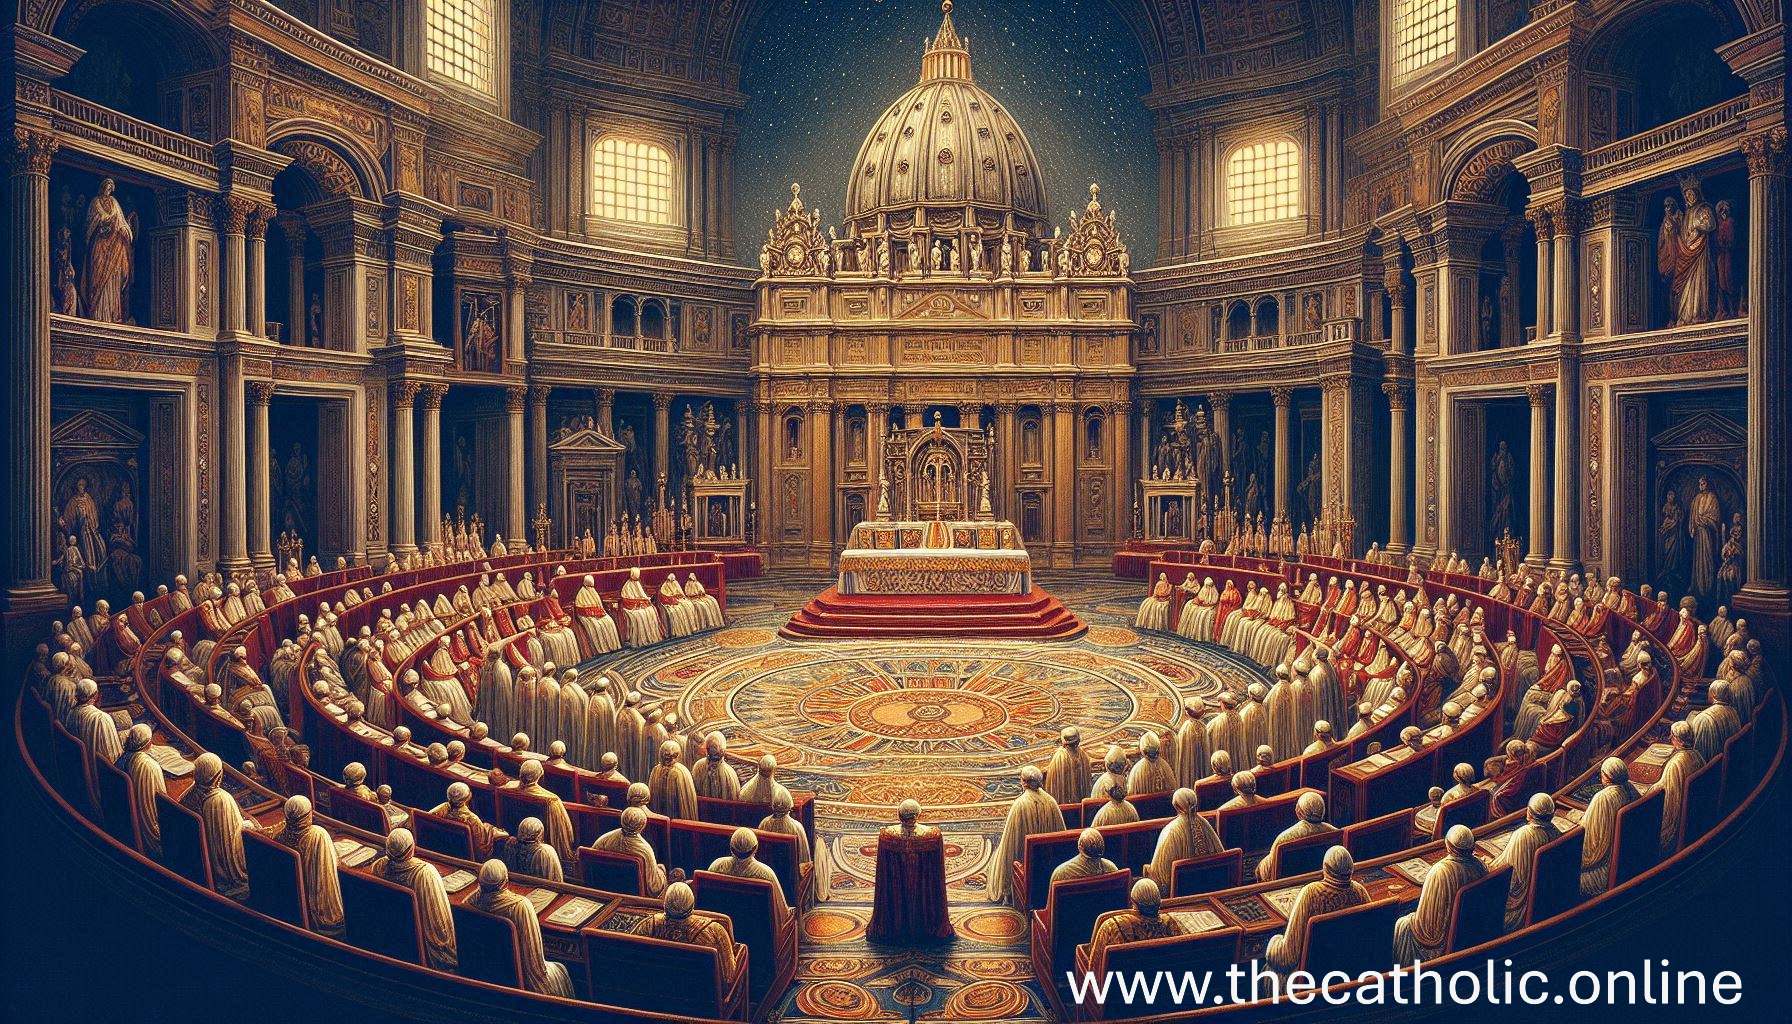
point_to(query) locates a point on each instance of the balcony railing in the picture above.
(88, 120)
(1711, 120)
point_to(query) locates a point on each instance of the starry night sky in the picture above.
(817, 74)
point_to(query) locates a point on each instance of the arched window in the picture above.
(1424, 33)
(631, 181)
(1263, 182)
(458, 43)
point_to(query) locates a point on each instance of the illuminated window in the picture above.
(1424, 32)
(458, 45)
(632, 181)
(1262, 182)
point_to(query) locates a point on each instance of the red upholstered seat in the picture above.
(1211, 952)
(1353, 940)
(380, 916)
(487, 947)
(1637, 846)
(640, 973)
(614, 872)
(1555, 877)
(275, 885)
(1479, 912)
(752, 905)
(1193, 876)
(1069, 918)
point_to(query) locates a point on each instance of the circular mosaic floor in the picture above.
(867, 724)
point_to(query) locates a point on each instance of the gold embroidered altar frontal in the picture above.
(935, 572)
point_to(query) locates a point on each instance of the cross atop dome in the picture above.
(947, 55)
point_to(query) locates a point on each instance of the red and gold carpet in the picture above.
(867, 724)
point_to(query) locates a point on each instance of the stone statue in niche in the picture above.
(1731, 573)
(1311, 489)
(110, 236)
(1309, 314)
(631, 493)
(883, 260)
(1685, 255)
(80, 518)
(68, 292)
(314, 321)
(1728, 301)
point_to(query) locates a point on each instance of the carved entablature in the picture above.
(1093, 248)
(795, 246)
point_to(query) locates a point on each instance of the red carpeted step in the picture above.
(1034, 616)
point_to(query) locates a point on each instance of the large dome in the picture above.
(947, 145)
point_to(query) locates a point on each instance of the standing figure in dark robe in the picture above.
(909, 899)
(1704, 525)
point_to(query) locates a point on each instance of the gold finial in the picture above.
(946, 6)
(796, 189)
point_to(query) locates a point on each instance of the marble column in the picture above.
(297, 309)
(1007, 459)
(1538, 395)
(821, 483)
(1511, 319)
(28, 586)
(662, 439)
(256, 233)
(1543, 222)
(233, 499)
(1765, 593)
(1120, 500)
(1282, 398)
(431, 511)
(606, 411)
(1399, 500)
(1063, 483)
(1221, 404)
(743, 423)
(1565, 547)
(877, 416)
(1565, 298)
(403, 459)
(1399, 336)
(538, 452)
(261, 548)
(516, 511)
(233, 225)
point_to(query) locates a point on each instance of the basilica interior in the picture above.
(409, 460)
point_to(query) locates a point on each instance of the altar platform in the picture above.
(934, 579)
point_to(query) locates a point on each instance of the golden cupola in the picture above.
(946, 155)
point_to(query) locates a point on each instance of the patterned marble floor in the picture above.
(865, 724)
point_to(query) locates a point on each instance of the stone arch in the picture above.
(1475, 174)
(339, 166)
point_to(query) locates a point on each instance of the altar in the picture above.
(935, 557)
(934, 560)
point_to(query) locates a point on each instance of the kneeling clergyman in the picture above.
(909, 894)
